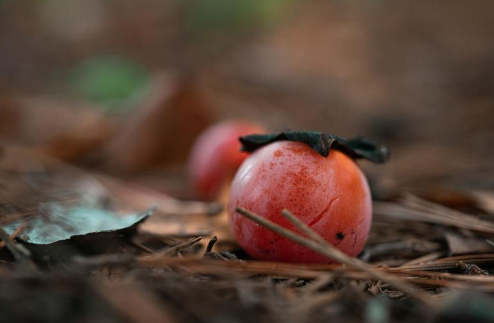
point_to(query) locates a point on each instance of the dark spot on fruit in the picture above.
(340, 235)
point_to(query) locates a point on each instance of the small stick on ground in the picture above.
(15, 233)
(141, 246)
(18, 251)
(424, 259)
(172, 249)
(333, 253)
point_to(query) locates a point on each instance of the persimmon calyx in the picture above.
(322, 143)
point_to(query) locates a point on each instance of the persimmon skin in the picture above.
(216, 155)
(331, 195)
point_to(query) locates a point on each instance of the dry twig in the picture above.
(331, 252)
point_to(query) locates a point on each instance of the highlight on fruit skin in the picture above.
(329, 194)
(216, 155)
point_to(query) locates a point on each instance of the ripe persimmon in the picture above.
(330, 194)
(216, 155)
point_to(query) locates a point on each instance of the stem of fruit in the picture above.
(319, 245)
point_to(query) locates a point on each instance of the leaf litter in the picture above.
(79, 238)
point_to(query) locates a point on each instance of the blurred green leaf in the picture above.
(114, 83)
(226, 17)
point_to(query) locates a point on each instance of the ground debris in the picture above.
(420, 256)
(471, 269)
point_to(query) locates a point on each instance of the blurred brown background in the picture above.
(125, 86)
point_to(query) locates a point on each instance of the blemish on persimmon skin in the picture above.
(323, 213)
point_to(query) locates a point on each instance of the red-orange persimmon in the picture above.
(216, 155)
(330, 195)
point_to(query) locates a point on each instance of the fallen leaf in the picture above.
(57, 223)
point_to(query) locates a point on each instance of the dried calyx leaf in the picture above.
(322, 143)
